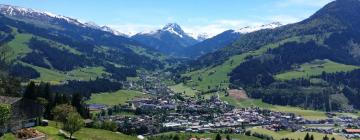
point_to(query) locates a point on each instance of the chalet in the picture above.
(24, 113)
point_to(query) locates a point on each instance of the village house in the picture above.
(24, 113)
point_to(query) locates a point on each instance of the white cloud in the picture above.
(199, 25)
(219, 26)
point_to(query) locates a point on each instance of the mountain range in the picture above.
(313, 63)
(170, 40)
(49, 47)
(224, 39)
(173, 41)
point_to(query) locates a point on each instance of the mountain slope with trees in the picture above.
(42, 45)
(331, 34)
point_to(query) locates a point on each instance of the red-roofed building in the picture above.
(352, 131)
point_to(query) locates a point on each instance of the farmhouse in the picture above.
(24, 113)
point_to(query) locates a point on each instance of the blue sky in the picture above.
(195, 16)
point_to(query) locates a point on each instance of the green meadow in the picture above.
(186, 136)
(315, 68)
(213, 77)
(292, 135)
(115, 98)
(181, 88)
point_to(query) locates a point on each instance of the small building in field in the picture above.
(352, 131)
(24, 113)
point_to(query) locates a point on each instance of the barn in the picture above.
(24, 113)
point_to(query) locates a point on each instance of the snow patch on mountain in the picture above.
(27, 12)
(113, 31)
(172, 28)
(200, 36)
(20, 11)
(249, 29)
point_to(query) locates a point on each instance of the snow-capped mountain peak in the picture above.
(174, 29)
(113, 31)
(249, 29)
(27, 12)
(43, 15)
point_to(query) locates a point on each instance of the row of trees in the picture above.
(177, 137)
(311, 137)
(42, 94)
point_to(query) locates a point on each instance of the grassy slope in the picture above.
(219, 75)
(115, 98)
(215, 76)
(19, 48)
(84, 134)
(181, 88)
(19, 45)
(315, 68)
(57, 77)
(8, 136)
(185, 136)
(293, 135)
(308, 114)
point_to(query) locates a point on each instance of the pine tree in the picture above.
(176, 137)
(312, 137)
(47, 93)
(307, 137)
(218, 137)
(228, 137)
(30, 91)
(326, 137)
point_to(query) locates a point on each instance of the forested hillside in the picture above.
(58, 49)
(289, 65)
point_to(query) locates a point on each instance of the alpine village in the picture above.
(61, 78)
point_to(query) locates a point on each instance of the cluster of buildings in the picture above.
(236, 118)
(169, 112)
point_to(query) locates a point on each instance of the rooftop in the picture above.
(8, 100)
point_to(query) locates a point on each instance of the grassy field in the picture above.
(115, 98)
(8, 136)
(19, 45)
(218, 75)
(19, 48)
(181, 88)
(292, 135)
(186, 136)
(308, 114)
(315, 68)
(57, 77)
(84, 134)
